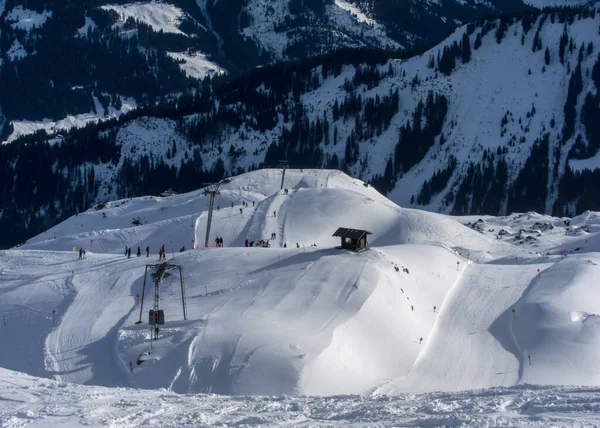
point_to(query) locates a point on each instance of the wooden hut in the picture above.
(353, 239)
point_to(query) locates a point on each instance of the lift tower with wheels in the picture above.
(156, 315)
(212, 190)
(285, 165)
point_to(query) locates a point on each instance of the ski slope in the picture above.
(467, 350)
(428, 307)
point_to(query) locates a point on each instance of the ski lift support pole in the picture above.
(213, 192)
(283, 164)
(183, 295)
(142, 301)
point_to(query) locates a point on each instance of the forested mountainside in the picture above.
(66, 63)
(502, 116)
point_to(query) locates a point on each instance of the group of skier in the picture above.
(261, 243)
(161, 253)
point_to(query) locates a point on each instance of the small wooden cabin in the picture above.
(353, 239)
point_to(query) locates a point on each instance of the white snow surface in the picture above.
(35, 402)
(25, 127)
(428, 307)
(196, 64)
(355, 11)
(16, 51)
(158, 15)
(26, 19)
(89, 23)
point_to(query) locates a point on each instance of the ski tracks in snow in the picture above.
(465, 350)
(83, 346)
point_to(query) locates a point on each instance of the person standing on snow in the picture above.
(147, 251)
(246, 243)
(139, 251)
(129, 253)
(80, 253)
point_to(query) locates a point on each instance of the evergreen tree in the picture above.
(564, 39)
(465, 49)
(477, 43)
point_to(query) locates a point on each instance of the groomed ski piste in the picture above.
(485, 318)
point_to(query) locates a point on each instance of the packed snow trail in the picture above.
(265, 220)
(82, 346)
(462, 351)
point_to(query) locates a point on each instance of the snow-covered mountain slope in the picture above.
(557, 3)
(140, 40)
(56, 127)
(427, 307)
(273, 26)
(452, 143)
(160, 16)
(485, 122)
(121, 52)
(40, 403)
